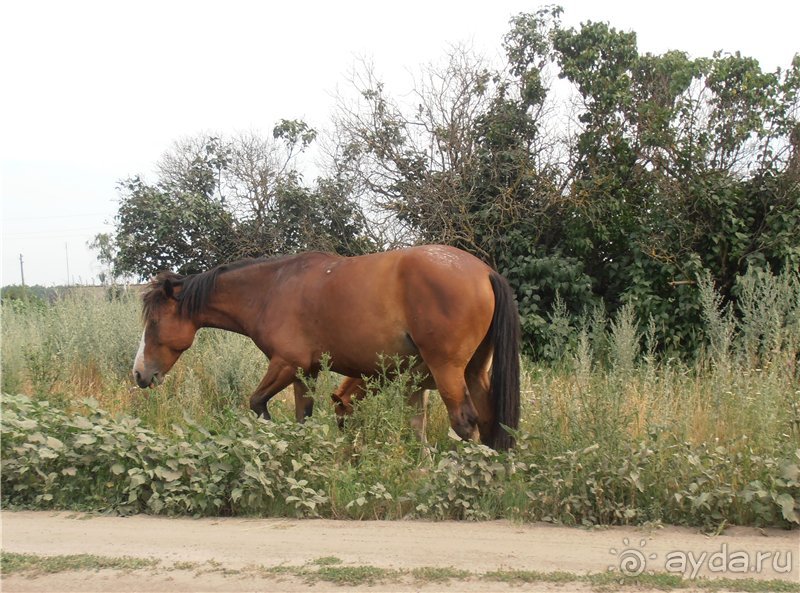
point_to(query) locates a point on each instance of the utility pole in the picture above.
(22, 275)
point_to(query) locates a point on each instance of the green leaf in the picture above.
(168, 474)
(45, 453)
(137, 480)
(54, 443)
(85, 439)
(790, 472)
(81, 422)
(787, 504)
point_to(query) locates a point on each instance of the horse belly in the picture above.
(369, 352)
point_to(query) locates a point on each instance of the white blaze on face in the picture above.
(138, 363)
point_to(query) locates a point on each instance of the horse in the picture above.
(351, 388)
(434, 304)
(355, 388)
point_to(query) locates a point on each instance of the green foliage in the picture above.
(159, 228)
(541, 282)
(294, 132)
(31, 295)
(675, 168)
(219, 199)
(465, 484)
(613, 436)
(78, 338)
(93, 461)
(89, 460)
(34, 565)
(83, 346)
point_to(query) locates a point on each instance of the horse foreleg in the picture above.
(303, 406)
(279, 376)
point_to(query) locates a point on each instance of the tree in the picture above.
(472, 163)
(678, 166)
(103, 244)
(469, 163)
(670, 168)
(275, 210)
(652, 171)
(221, 199)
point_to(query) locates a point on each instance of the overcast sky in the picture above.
(94, 92)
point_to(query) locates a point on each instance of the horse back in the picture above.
(390, 304)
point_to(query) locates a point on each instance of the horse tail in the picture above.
(504, 335)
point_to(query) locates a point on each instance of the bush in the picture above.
(90, 460)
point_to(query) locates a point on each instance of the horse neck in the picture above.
(231, 306)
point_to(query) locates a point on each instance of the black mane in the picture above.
(195, 289)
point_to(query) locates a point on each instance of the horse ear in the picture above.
(171, 288)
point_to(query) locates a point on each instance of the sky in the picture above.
(95, 92)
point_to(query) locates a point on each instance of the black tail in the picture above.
(504, 335)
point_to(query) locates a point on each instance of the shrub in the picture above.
(90, 460)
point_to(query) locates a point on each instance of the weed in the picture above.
(330, 570)
(327, 561)
(352, 575)
(35, 564)
(439, 574)
(528, 576)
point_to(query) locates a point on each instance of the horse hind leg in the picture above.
(479, 385)
(456, 397)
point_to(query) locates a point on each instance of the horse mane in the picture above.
(196, 289)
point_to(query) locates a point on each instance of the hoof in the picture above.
(261, 413)
(467, 432)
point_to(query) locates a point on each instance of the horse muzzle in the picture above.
(145, 381)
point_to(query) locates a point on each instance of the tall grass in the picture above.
(617, 432)
(83, 345)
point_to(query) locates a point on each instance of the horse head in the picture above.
(350, 389)
(168, 330)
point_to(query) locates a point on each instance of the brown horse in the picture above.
(435, 303)
(351, 389)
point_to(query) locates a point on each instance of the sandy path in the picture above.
(236, 543)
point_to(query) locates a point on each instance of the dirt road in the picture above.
(241, 554)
